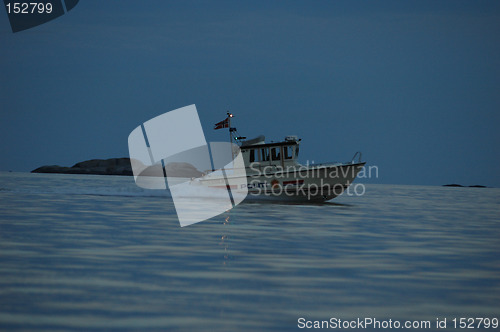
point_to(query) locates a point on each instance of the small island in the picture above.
(112, 166)
(461, 186)
(123, 166)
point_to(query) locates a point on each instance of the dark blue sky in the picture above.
(414, 85)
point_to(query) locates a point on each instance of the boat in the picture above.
(207, 179)
(272, 171)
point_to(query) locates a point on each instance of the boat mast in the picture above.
(233, 133)
(229, 116)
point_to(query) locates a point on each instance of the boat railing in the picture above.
(356, 159)
(328, 164)
(358, 153)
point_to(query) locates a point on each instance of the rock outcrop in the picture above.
(113, 166)
(460, 186)
(122, 166)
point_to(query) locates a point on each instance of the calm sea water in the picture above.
(98, 253)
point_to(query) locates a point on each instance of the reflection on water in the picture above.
(83, 252)
(224, 239)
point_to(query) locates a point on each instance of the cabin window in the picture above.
(296, 151)
(264, 154)
(252, 155)
(275, 153)
(288, 152)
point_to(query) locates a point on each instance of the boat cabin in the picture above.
(258, 155)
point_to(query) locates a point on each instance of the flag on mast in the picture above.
(223, 124)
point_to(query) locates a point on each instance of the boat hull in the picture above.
(321, 183)
(301, 183)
